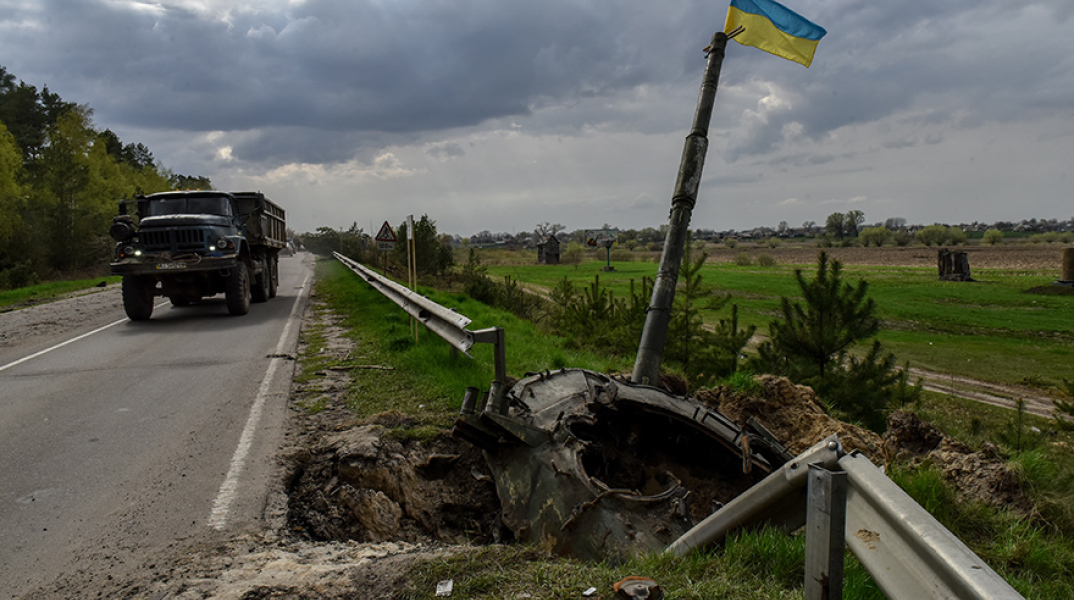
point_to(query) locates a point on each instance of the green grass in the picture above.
(44, 292)
(991, 329)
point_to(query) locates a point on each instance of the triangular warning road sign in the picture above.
(386, 234)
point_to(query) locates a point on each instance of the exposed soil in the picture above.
(793, 414)
(975, 476)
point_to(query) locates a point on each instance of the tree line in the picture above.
(60, 181)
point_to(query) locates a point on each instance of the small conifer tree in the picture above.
(811, 343)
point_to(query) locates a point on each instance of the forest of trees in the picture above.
(60, 182)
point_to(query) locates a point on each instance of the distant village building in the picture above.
(548, 251)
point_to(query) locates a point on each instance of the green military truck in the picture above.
(195, 244)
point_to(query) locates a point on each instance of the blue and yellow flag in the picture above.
(774, 28)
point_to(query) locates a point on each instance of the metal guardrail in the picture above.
(909, 554)
(907, 551)
(445, 322)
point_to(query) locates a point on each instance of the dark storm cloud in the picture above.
(337, 65)
(342, 66)
(324, 80)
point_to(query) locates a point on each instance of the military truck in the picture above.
(195, 244)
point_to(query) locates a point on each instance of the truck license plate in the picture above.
(170, 266)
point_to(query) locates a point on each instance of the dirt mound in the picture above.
(792, 413)
(361, 485)
(976, 476)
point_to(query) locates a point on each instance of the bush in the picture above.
(18, 276)
(766, 260)
(573, 254)
(874, 236)
(992, 237)
(730, 242)
(622, 255)
(773, 242)
(743, 259)
(476, 282)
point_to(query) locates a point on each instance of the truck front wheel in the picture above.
(138, 297)
(237, 290)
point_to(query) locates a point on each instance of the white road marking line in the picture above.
(229, 488)
(62, 344)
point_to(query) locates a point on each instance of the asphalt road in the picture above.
(140, 437)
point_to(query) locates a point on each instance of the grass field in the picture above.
(994, 329)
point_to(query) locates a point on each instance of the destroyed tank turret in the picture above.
(601, 468)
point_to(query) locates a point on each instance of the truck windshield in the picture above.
(191, 205)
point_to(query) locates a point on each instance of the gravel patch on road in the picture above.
(22, 323)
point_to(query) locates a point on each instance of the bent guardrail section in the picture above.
(909, 554)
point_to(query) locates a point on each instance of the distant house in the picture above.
(548, 251)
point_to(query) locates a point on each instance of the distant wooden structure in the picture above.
(1067, 277)
(548, 251)
(953, 266)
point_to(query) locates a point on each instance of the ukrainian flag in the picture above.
(774, 28)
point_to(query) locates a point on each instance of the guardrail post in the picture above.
(495, 336)
(826, 515)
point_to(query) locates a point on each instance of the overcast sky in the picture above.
(501, 114)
